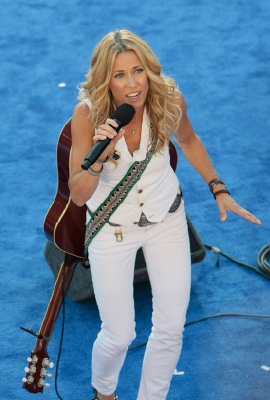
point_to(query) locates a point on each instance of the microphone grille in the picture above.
(124, 113)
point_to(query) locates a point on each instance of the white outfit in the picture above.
(153, 194)
(166, 249)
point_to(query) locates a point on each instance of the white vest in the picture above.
(154, 192)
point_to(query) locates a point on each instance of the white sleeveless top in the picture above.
(154, 192)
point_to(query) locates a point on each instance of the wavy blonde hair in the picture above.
(164, 114)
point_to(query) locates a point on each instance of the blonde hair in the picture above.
(164, 114)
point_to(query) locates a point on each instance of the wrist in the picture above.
(218, 192)
(100, 161)
(216, 184)
(92, 171)
(217, 187)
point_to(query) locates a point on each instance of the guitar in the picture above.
(64, 225)
(64, 221)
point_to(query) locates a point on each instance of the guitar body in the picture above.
(64, 222)
(64, 225)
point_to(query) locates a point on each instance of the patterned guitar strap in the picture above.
(115, 198)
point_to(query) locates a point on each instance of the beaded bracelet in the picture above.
(94, 173)
(213, 183)
(219, 192)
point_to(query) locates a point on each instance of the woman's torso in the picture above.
(154, 192)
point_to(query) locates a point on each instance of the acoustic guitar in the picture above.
(64, 225)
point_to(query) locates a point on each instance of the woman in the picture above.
(125, 70)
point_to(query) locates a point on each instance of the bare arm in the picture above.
(196, 154)
(82, 184)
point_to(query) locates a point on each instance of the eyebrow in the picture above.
(122, 70)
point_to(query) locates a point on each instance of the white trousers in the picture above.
(167, 254)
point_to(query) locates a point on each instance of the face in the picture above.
(129, 82)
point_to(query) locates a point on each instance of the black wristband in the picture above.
(214, 182)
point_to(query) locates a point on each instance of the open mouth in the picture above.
(133, 96)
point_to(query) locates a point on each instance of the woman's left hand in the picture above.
(226, 203)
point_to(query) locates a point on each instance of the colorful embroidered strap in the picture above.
(115, 198)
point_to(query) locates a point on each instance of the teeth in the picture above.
(133, 94)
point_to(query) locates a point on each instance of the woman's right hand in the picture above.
(104, 131)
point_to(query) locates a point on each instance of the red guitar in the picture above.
(64, 226)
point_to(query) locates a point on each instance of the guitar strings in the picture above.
(62, 333)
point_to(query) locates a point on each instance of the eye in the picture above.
(139, 70)
(119, 75)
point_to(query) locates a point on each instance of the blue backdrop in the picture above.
(218, 52)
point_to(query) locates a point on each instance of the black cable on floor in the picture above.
(262, 258)
(210, 317)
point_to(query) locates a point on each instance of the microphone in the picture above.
(122, 116)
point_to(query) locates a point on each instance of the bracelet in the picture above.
(213, 183)
(94, 173)
(219, 192)
(102, 162)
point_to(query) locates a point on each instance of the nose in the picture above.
(131, 80)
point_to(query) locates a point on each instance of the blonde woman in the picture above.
(150, 215)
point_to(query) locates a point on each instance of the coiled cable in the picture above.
(263, 257)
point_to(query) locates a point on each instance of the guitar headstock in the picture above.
(36, 372)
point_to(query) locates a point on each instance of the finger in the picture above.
(242, 212)
(248, 216)
(222, 213)
(119, 135)
(111, 122)
(104, 131)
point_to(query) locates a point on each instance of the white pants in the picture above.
(167, 254)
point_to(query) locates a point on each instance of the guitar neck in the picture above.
(60, 288)
(34, 381)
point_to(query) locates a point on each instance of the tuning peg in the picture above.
(43, 372)
(46, 363)
(29, 379)
(34, 360)
(32, 369)
(42, 382)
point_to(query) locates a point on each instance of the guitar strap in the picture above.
(115, 198)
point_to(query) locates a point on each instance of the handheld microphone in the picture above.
(122, 116)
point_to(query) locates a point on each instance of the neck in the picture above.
(138, 117)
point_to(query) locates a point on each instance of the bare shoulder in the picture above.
(185, 132)
(180, 100)
(81, 120)
(81, 110)
(81, 127)
(82, 135)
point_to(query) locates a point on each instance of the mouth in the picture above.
(133, 96)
